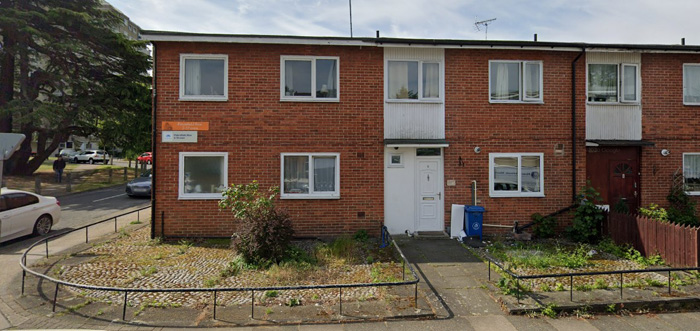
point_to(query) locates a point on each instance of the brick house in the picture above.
(364, 132)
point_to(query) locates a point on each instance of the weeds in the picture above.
(550, 311)
(293, 302)
(147, 271)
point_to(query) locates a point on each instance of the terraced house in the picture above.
(364, 132)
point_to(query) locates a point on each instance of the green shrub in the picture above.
(621, 207)
(264, 236)
(588, 218)
(654, 212)
(682, 209)
(544, 226)
(265, 232)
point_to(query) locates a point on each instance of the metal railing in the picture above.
(571, 275)
(214, 291)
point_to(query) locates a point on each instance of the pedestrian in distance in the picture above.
(58, 167)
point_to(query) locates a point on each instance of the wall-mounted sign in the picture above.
(179, 136)
(185, 126)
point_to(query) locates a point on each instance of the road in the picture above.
(87, 207)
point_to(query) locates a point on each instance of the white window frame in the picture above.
(183, 96)
(395, 165)
(311, 195)
(181, 177)
(689, 192)
(620, 84)
(312, 97)
(497, 194)
(441, 82)
(685, 87)
(522, 98)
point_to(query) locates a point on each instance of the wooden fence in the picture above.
(678, 245)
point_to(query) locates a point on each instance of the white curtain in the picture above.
(532, 80)
(324, 174)
(288, 77)
(193, 78)
(330, 82)
(500, 91)
(629, 89)
(431, 80)
(296, 179)
(691, 169)
(691, 92)
(398, 79)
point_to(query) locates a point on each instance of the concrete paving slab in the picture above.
(491, 322)
(571, 323)
(524, 323)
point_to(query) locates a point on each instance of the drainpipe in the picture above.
(573, 124)
(153, 148)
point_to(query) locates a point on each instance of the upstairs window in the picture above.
(413, 80)
(691, 84)
(203, 77)
(613, 83)
(515, 81)
(309, 78)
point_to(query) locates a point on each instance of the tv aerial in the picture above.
(485, 24)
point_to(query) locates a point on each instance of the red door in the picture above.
(624, 183)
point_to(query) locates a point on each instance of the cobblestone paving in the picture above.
(134, 261)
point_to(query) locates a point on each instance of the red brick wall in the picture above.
(666, 122)
(254, 127)
(472, 121)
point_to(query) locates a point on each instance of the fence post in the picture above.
(37, 184)
(215, 305)
(136, 170)
(125, 175)
(110, 171)
(341, 300)
(55, 295)
(68, 182)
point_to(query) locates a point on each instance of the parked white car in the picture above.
(23, 213)
(91, 156)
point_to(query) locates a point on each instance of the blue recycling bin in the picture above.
(474, 221)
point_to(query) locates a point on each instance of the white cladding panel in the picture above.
(415, 120)
(614, 121)
(400, 191)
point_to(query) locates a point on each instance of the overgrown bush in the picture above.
(544, 226)
(588, 218)
(654, 212)
(265, 232)
(621, 207)
(682, 209)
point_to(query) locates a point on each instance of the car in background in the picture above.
(68, 154)
(23, 213)
(140, 186)
(145, 158)
(91, 156)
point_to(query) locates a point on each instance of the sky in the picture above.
(594, 21)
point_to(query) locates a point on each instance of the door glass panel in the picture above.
(428, 152)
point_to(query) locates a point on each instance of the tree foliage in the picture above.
(64, 70)
(588, 218)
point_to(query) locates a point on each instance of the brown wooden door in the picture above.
(624, 183)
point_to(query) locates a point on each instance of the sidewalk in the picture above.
(453, 281)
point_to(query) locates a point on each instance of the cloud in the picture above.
(602, 21)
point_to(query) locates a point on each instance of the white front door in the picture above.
(429, 199)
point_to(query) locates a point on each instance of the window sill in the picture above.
(217, 99)
(516, 195)
(309, 197)
(593, 103)
(691, 103)
(414, 101)
(520, 102)
(323, 100)
(693, 193)
(200, 197)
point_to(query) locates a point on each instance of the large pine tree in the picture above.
(63, 71)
